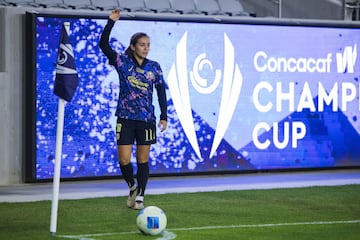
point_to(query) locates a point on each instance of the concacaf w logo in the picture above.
(178, 79)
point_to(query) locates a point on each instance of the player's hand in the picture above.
(162, 125)
(115, 15)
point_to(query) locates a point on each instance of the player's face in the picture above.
(142, 47)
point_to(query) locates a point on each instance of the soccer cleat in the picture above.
(130, 202)
(138, 205)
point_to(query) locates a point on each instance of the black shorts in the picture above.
(129, 130)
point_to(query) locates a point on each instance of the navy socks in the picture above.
(142, 177)
(128, 174)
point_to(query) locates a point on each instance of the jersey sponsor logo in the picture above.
(137, 84)
(178, 80)
(139, 70)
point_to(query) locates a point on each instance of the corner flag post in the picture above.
(66, 82)
(57, 167)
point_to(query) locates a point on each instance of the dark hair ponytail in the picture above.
(134, 39)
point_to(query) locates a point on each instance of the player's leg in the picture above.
(145, 136)
(125, 135)
(142, 158)
(124, 153)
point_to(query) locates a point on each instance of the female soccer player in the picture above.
(135, 111)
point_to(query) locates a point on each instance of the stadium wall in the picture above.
(11, 101)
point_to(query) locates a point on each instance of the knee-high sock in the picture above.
(142, 177)
(128, 174)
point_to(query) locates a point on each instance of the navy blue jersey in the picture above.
(136, 83)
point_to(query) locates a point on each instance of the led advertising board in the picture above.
(241, 97)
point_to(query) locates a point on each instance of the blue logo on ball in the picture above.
(152, 222)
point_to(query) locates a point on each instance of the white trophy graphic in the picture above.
(179, 89)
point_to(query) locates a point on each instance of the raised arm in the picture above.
(104, 39)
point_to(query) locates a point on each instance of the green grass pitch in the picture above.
(328, 213)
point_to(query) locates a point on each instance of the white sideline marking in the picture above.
(267, 225)
(90, 236)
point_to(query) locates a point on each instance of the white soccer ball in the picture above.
(151, 220)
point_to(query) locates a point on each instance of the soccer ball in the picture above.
(151, 220)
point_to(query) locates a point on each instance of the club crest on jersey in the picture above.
(150, 75)
(178, 85)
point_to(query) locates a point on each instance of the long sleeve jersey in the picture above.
(136, 83)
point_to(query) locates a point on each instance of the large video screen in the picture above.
(241, 97)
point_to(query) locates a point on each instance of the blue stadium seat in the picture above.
(134, 5)
(160, 6)
(22, 3)
(185, 6)
(80, 4)
(106, 5)
(233, 7)
(52, 4)
(209, 7)
(6, 3)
